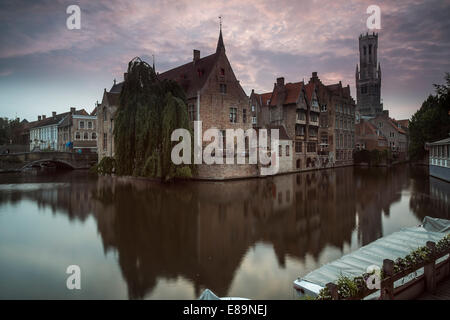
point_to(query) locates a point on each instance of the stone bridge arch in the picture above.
(58, 163)
(19, 161)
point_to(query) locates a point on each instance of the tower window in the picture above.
(370, 49)
(364, 49)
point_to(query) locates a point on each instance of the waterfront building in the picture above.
(368, 77)
(105, 120)
(395, 135)
(368, 137)
(77, 132)
(259, 114)
(44, 132)
(315, 116)
(440, 159)
(214, 96)
(337, 130)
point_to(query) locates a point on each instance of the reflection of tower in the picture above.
(368, 77)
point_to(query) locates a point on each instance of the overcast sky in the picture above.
(45, 67)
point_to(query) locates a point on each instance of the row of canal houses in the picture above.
(316, 121)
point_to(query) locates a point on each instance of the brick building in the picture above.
(51, 133)
(342, 124)
(78, 131)
(315, 117)
(105, 120)
(214, 96)
(395, 134)
(368, 137)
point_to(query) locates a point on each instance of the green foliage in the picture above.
(9, 131)
(148, 113)
(106, 166)
(431, 122)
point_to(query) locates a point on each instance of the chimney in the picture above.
(280, 82)
(196, 55)
(125, 76)
(72, 110)
(54, 114)
(43, 117)
(314, 74)
(39, 118)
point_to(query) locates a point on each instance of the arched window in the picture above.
(364, 49)
(94, 136)
(86, 136)
(77, 136)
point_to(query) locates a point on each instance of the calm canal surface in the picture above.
(248, 238)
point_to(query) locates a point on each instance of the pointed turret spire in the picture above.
(153, 58)
(220, 44)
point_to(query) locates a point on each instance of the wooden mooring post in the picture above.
(430, 269)
(387, 285)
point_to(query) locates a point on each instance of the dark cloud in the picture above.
(264, 40)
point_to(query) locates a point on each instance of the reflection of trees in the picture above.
(430, 196)
(69, 194)
(202, 230)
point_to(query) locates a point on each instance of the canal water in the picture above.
(249, 238)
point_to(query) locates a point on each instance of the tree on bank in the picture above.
(149, 110)
(432, 121)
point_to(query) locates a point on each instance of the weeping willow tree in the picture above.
(149, 110)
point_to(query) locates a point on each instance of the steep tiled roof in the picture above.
(116, 88)
(395, 124)
(282, 134)
(293, 91)
(55, 120)
(264, 97)
(192, 75)
(404, 123)
(309, 88)
(368, 128)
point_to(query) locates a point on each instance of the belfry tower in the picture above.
(368, 77)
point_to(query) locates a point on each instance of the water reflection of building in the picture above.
(202, 231)
(376, 190)
(430, 196)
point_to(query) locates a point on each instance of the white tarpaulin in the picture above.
(393, 246)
